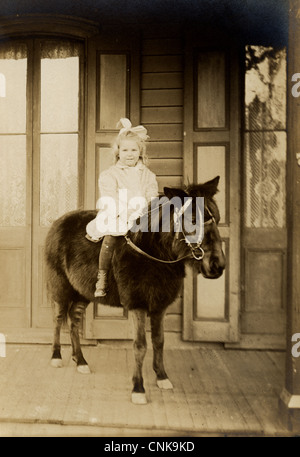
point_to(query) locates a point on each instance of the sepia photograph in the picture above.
(150, 221)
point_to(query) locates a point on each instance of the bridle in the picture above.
(198, 247)
(178, 225)
(178, 217)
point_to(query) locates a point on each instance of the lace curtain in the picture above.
(13, 71)
(58, 176)
(59, 116)
(12, 180)
(50, 49)
(53, 49)
(265, 137)
(14, 51)
(60, 82)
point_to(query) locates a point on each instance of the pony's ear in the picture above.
(211, 187)
(171, 192)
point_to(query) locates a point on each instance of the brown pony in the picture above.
(147, 271)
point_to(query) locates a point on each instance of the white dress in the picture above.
(124, 192)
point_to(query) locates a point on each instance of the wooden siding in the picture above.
(162, 106)
(162, 115)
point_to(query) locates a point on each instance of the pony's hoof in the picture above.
(164, 384)
(83, 369)
(138, 398)
(56, 363)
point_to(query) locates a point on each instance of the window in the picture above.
(13, 65)
(60, 84)
(265, 137)
(49, 116)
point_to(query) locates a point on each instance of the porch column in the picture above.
(289, 402)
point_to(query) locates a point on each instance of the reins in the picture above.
(145, 254)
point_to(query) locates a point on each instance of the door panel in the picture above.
(265, 298)
(264, 194)
(212, 160)
(14, 63)
(57, 151)
(112, 89)
(210, 89)
(113, 82)
(40, 141)
(59, 87)
(205, 307)
(15, 182)
(58, 176)
(211, 148)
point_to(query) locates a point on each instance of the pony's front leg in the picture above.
(157, 335)
(76, 313)
(138, 395)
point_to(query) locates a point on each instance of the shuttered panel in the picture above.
(211, 147)
(15, 184)
(113, 92)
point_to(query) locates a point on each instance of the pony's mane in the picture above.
(207, 190)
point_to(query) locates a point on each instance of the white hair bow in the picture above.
(127, 127)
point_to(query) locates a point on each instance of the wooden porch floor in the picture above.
(216, 392)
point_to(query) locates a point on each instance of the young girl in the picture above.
(124, 186)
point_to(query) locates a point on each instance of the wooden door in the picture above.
(264, 235)
(41, 161)
(15, 183)
(113, 92)
(211, 148)
(57, 171)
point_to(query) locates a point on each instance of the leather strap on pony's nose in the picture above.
(198, 247)
(197, 251)
(178, 224)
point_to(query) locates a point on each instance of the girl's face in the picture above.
(129, 152)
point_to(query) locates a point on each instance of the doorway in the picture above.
(41, 153)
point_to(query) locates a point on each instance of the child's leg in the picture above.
(105, 256)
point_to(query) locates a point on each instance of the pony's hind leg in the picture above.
(59, 316)
(76, 312)
(138, 395)
(157, 335)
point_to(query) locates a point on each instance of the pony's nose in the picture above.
(222, 261)
(217, 265)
